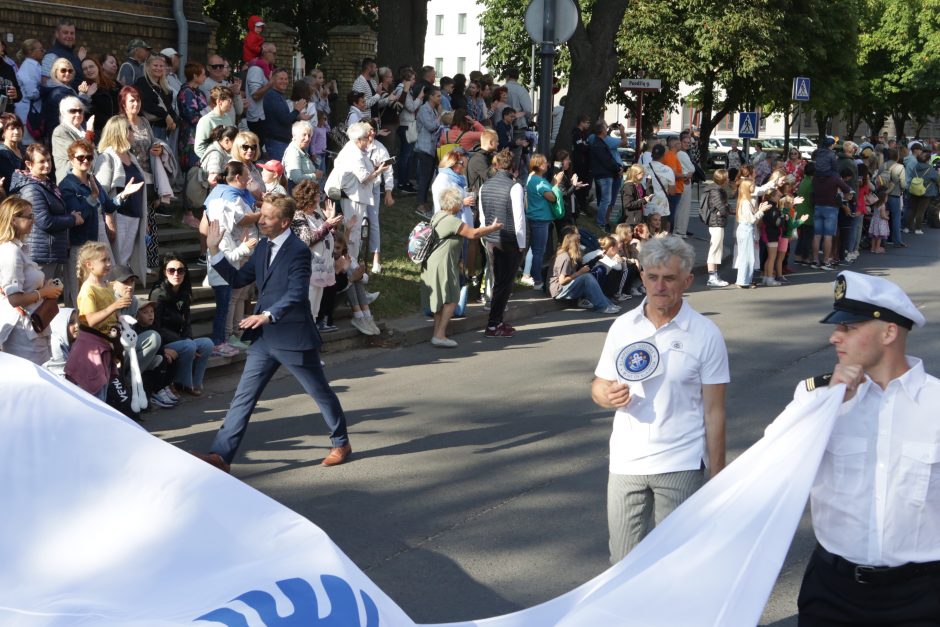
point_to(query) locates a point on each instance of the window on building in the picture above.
(762, 124)
(666, 122)
(691, 117)
(462, 24)
(439, 66)
(727, 123)
(461, 64)
(439, 25)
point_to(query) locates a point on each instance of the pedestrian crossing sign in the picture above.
(801, 89)
(747, 124)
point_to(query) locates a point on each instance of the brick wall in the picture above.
(347, 46)
(105, 25)
(285, 38)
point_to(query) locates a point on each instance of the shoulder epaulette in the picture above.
(819, 381)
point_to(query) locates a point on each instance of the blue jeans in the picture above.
(744, 235)
(403, 163)
(539, 240)
(894, 215)
(190, 368)
(604, 188)
(424, 172)
(275, 148)
(855, 231)
(223, 295)
(585, 286)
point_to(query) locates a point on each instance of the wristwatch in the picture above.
(269, 315)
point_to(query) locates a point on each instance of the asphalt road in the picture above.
(477, 485)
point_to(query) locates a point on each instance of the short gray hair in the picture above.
(69, 102)
(300, 126)
(358, 130)
(450, 199)
(657, 251)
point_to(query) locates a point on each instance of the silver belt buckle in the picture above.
(861, 571)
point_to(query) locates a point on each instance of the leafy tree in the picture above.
(402, 25)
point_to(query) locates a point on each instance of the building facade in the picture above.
(454, 40)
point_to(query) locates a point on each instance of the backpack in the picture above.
(882, 181)
(704, 210)
(422, 241)
(917, 186)
(443, 149)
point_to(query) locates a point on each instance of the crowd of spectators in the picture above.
(99, 148)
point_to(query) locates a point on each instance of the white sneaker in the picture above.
(905, 230)
(362, 326)
(716, 282)
(636, 292)
(918, 232)
(527, 281)
(169, 394)
(768, 282)
(611, 309)
(156, 402)
(445, 343)
(585, 304)
(376, 268)
(165, 398)
(373, 326)
(622, 297)
(538, 285)
(371, 296)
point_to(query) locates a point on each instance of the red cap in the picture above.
(274, 166)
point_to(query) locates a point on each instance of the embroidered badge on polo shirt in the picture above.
(638, 361)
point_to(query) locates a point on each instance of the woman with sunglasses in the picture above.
(58, 87)
(49, 239)
(72, 126)
(794, 166)
(173, 296)
(119, 174)
(84, 194)
(245, 149)
(22, 283)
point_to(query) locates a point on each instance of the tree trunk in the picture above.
(709, 119)
(852, 122)
(593, 65)
(900, 119)
(787, 123)
(403, 25)
(875, 120)
(821, 121)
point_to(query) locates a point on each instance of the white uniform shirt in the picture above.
(663, 428)
(876, 497)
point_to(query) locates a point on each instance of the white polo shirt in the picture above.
(662, 429)
(876, 497)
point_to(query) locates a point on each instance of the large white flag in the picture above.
(103, 524)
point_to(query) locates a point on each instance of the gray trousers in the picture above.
(636, 503)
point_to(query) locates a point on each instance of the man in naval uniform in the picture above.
(876, 497)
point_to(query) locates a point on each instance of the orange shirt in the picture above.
(672, 161)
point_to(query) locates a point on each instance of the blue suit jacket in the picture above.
(282, 290)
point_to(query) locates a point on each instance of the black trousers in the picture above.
(830, 597)
(505, 264)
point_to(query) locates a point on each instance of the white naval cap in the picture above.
(861, 297)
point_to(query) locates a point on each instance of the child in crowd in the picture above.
(64, 332)
(787, 228)
(654, 222)
(350, 278)
(861, 210)
(715, 210)
(879, 227)
(158, 376)
(272, 173)
(773, 226)
(91, 360)
(317, 146)
(251, 46)
(847, 213)
(629, 252)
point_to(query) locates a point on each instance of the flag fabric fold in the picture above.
(105, 524)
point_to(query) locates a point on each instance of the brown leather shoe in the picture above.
(337, 455)
(214, 459)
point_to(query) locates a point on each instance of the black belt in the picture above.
(878, 575)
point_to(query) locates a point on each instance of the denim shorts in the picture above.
(825, 220)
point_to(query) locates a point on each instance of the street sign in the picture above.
(564, 21)
(748, 126)
(801, 89)
(641, 84)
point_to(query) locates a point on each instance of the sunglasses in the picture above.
(26, 216)
(180, 270)
(66, 71)
(219, 66)
(75, 111)
(83, 158)
(249, 146)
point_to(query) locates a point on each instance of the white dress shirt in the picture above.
(876, 497)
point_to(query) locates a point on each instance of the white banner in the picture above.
(104, 524)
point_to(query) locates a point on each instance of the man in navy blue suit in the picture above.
(281, 331)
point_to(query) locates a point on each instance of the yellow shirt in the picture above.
(92, 298)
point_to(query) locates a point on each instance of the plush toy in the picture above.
(129, 342)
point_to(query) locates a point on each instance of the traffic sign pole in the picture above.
(545, 93)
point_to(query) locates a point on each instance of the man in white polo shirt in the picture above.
(664, 369)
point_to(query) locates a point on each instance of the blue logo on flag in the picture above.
(343, 607)
(637, 361)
